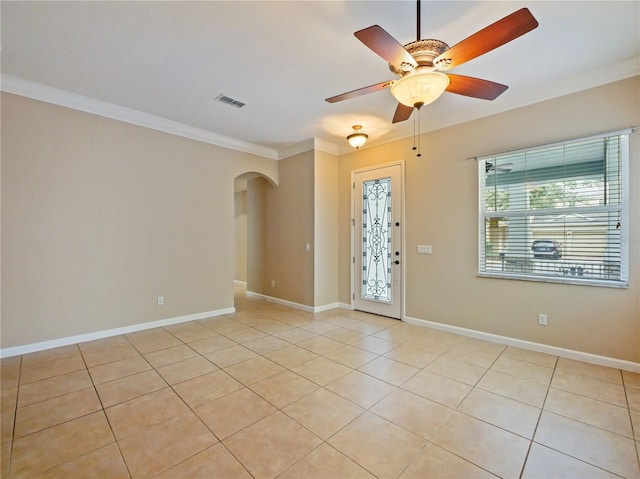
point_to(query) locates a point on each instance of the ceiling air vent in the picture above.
(229, 101)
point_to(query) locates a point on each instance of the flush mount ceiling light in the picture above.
(358, 138)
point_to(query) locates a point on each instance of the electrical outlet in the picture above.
(542, 319)
(160, 300)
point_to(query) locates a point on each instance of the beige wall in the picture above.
(240, 216)
(442, 208)
(326, 204)
(100, 217)
(280, 224)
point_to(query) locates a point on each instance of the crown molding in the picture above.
(38, 91)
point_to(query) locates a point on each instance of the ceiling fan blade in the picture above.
(378, 40)
(403, 112)
(475, 87)
(491, 37)
(359, 92)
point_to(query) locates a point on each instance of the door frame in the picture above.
(403, 276)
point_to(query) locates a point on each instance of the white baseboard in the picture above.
(239, 283)
(539, 347)
(291, 304)
(345, 306)
(83, 338)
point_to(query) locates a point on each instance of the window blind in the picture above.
(556, 212)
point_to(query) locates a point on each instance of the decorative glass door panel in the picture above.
(376, 238)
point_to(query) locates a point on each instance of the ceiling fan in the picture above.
(419, 64)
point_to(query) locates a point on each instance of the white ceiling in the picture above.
(172, 59)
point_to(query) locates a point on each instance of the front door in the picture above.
(377, 237)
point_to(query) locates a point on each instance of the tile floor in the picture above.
(274, 392)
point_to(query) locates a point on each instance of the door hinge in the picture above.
(353, 222)
(353, 260)
(353, 296)
(354, 186)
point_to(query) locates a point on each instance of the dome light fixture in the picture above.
(358, 138)
(419, 88)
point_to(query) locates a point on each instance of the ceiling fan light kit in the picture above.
(358, 138)
(419, 88)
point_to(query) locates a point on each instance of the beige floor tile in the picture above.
(323, 412)
(229, 414)
(214, 343)
(10, 371)
(344, 335)
(190, 331)
(490, 347)
(291, 356)
(134, 416)
(413, 413)
(271, 445)
(203, 389)
(295, 335)
(188, 369)
(367, 441)
(50, 355)
(53, 387)
(375, 345)
(325, 462)
(319, 327)
(118, 369)
(512, 387)
(591, 411)
(435, 462)
(633, 398)
(102, 463)
(38, 452)
(360, 388)
(388, 370)
(44, 370)
(489, 447)
(351, 356)
(8, 399)
(545, 462)
(411, 355)
(104, 343)
(514, 416)
(535, 357)
(321, 370)
(635, 420)
(152, 340)
(631, 379)
(437, 388)
(470, 355)
(400, 333)
(130, 387)
(434, 345)
(283, 388)
(164, 445)
(41, 415)
(254, 370)
(97, 356)
(523, 369)
(266, 344)
(600, 448)
(272, 327)
(460, 371)
(594, 371)
(7, 423)
(214, 462)
(245, 335)
(221, 324)
(170, 355)
(230, 356)
(320, 345)
(366, 328)
(593, 388)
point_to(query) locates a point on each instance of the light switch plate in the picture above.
(423, 249)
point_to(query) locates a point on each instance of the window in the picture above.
(556, 212)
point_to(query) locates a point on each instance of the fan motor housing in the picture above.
(423, 52)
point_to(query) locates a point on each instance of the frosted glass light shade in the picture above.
(358, 138)
(417, 89)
